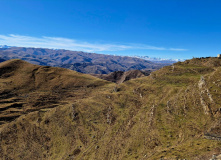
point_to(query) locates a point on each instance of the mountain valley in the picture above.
(56, 113)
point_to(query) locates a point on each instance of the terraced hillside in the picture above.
(26, 88)
(54, 113)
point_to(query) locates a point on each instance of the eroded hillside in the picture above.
(60, 114)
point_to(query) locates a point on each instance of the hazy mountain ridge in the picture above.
(2, 60)
(173, 114)
(4, 46)
(159, 60)
(79, 61)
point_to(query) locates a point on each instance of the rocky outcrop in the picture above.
(204, 91)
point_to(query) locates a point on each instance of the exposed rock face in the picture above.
(204, 91)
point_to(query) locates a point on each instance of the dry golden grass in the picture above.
(68, 115)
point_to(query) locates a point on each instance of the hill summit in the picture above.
(56, 113)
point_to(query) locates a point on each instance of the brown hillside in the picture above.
(25, 87)
(62, 115)
(120, 76)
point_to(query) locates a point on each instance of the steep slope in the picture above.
(172, 114)
(79, 61)
(120, 76)
(25, 87)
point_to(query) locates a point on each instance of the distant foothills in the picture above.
(154, 59)
(84, 62)
(160, 60)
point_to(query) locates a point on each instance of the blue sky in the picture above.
(156, 28)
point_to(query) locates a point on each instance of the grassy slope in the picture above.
(161, 115)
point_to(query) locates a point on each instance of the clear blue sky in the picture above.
(156, 28)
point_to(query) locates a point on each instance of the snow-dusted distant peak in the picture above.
(5, 46)
(155, 59)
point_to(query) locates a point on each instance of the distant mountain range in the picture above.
(154, 59)
(90, 63)
(159, 60)
(5, 46)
